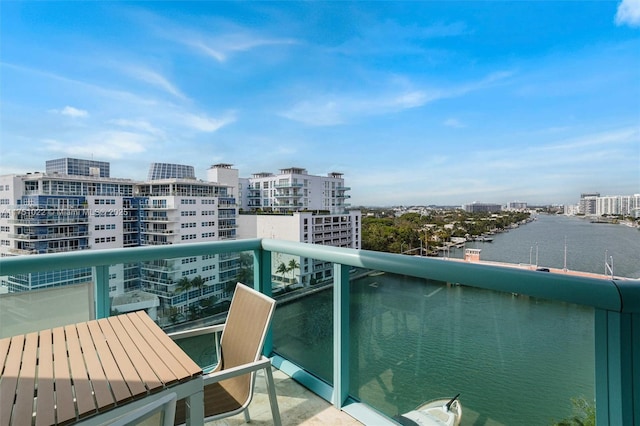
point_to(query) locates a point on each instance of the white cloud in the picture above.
(141, 125)
(220, 48)
(628, 13)
(316, 113)
(454, 122)
(108, 145)
(339, 109)
(154, 79)
(73, 112)
(206, 124)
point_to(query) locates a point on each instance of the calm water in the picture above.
(515, 360)
(587, 244)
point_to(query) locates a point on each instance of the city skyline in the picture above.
(416, 103)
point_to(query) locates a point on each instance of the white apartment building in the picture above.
(47, 213)
(626, 205)
(294, 206)
(596, 205)
(293, 189)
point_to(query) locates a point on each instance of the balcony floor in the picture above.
(298, 406)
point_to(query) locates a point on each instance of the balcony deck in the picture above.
(298, 406)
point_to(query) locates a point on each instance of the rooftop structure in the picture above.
(159, 171)
(78, 167)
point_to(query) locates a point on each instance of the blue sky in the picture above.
(415, 102)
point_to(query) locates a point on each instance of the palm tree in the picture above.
(198, 283)
(282, 269)
(184, 285)
(291, 267)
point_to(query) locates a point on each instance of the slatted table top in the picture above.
(66, 374)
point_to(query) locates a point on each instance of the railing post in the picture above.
(101, 292)
(617, 358)
(262, 283)
(340, 335)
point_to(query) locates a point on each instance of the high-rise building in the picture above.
(46, 213)
(587, 205)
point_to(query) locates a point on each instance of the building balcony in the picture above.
(288, 195)
(157, 219)
(288, 185)
(386, 332)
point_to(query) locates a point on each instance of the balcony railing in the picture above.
(612, 305)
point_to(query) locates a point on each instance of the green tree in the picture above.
(245, 272)
(173, 314)
(198, 283)
(184, 285)
(282, 269)
(291, 267)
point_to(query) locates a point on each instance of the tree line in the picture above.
(398, 234)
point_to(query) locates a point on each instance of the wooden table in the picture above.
(92, 372)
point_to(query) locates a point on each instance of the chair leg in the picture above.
(271, 388)
(247, 418)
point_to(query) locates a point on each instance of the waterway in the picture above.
(587, 245)
(515, 360)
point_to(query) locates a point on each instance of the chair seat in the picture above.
(217, 400)
(229, 388)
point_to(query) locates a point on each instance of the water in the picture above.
(515, 360)
(587, 245)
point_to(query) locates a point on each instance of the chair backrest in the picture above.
(243, 337)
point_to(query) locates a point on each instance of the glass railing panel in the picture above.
(514, 359)
(303, 330)
(27, 311)
(201, 349)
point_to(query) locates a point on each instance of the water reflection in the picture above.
(413, 340)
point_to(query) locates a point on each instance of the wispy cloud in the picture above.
(628, 13)
(108, 145)
(71, 112)
(207, 124)
(140, 125)
(454, 122)
(155, 79)
(327, 110)
(222, 47)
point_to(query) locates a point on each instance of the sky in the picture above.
(416, 103)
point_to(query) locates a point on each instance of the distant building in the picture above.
(592, 204)
(294, 206)
(482, 208)
(158, 171)
(77, 167)
(587, 204)
(517, 205)
(292, 190)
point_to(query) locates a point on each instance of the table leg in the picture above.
(195, 409)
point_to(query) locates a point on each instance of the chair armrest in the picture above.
(197, 331)
(240, 370)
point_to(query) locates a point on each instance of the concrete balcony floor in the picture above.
(298, 406)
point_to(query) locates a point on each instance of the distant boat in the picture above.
(439, 412)
(484, 239)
